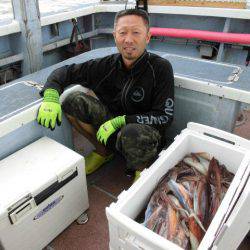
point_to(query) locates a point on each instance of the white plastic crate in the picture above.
(230, 150)
(237, 221)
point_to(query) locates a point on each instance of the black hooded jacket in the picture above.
(145, 93)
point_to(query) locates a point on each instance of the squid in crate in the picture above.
(186, 199)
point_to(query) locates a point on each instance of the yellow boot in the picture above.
(137, 175)
(94, 161)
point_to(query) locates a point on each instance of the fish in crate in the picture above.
(186, 199)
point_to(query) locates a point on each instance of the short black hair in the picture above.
(137, 12)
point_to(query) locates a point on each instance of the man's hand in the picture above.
(109, 127)
(50, 110)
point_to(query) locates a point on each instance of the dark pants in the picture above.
(138, 143)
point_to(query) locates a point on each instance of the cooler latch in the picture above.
(66, 174)
(235, 76)
(33, 84)
(21, 208)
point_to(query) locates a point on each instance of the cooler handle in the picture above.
(21, 211)
(219, 134)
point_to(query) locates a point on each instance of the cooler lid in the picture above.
(17, 97)
(218, 79)
(203, 69)
(34, 170)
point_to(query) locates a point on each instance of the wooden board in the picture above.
(213, 4)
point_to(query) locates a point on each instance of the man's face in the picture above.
(131, 37)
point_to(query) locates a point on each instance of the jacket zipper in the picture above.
(123, 95)
(126, 92)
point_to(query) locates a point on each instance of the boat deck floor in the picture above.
(104, 186)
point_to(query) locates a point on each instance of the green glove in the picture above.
(50, 110)
(109, 127)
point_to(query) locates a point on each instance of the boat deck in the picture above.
(104, 186)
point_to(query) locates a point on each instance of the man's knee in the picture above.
(130, 131)
(75, 105)
(140, 134)
(138, 143)
(86, 109)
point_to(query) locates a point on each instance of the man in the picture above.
(135, 91)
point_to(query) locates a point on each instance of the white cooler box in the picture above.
(230, 150)
(42, 190)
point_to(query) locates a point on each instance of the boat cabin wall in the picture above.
(96, 30)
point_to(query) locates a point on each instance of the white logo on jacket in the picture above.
(169, 106)
(138, 94)
(162, 119)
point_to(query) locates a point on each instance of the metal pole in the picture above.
(28, 14)
(221, 53)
